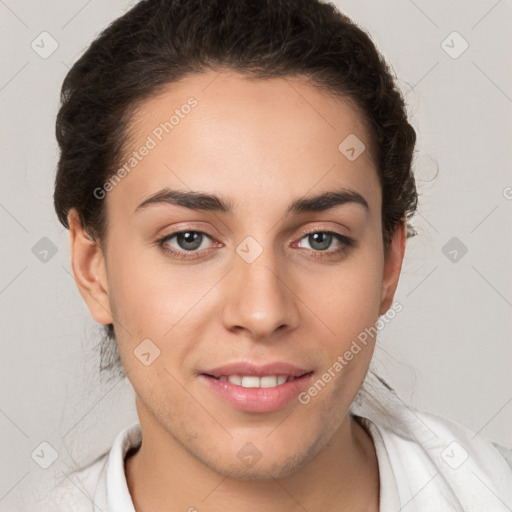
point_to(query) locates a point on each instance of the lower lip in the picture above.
(257, 399)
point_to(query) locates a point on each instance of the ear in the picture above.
(392, 266)
(89, 270)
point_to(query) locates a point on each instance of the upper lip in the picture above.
(250, 369)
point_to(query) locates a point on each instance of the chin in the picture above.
(251, 464)
(260, 472)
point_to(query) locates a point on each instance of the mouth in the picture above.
(251, 388)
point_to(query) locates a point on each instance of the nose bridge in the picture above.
(259, 300)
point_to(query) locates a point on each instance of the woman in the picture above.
(236, 178)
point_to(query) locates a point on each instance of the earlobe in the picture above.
(88, 264)
(392, 267)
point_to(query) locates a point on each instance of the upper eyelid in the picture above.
(180, 231)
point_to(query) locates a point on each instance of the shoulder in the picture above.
(83, 488)
(459, 443)
(62, 489)
(476, 471)
(439, 461)
(80, 485)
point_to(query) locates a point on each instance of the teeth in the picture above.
(251, 381)
(235, 379)
(269, 381)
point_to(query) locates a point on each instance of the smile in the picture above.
(252, 388)
(252, 381)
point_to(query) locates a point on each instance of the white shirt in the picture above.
(426, 463)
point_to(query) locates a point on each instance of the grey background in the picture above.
(449, 351)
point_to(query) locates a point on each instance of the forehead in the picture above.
(245, 138)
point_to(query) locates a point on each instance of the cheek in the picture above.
(346, 297)
(153, 298)
(346, 301)
(147, 291)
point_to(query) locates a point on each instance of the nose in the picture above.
(258, 299)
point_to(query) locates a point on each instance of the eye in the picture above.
(323, 241)
(185, 244)
(189, 244)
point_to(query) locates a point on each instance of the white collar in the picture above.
(112, 494)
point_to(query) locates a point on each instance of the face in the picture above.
(244, 249)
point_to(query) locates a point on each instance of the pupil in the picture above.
(322, 241)
(189, 240)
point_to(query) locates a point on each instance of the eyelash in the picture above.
(346, 244)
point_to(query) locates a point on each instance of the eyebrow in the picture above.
(212, 203)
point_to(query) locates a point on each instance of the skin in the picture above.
(260, 144)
